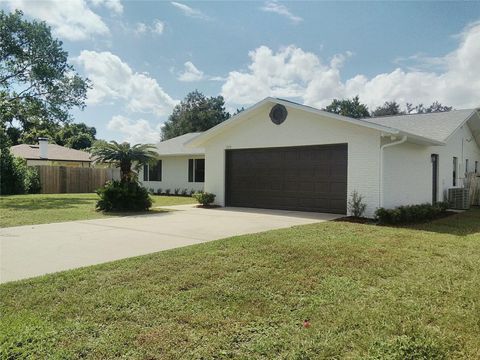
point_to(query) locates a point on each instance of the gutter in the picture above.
(382, 148)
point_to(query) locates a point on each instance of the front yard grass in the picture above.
(369, 292)
(19, 210)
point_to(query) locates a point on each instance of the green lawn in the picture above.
(370, 292)
(48, 208)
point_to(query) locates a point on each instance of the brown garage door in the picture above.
(305, 178)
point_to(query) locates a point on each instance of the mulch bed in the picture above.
(356, 220)
(208, 206)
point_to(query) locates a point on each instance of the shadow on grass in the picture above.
(45, 203)
(151, 212)
(460, 224)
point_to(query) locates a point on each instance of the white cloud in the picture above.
(294, 73)
(72, 20)
(114, 80)
(191, 73)
(140, 28)
(114, 5)
(275, 7)
(158, 27)
(190, 12)
(135, 131)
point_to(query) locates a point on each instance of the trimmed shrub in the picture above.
(167, 192)
(410, 213)
(204, 198)
(184, 192)
(176, 191)
(356, 206)
(123, 196)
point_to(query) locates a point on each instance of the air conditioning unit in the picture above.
(458, 198)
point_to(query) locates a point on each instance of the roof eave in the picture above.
(417, 139)
(207, 135)
(473, 113)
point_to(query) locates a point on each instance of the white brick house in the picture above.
(283, 155)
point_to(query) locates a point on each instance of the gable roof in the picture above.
(54, 152)
(176, 146)
(436, 126)
(205, 136)
(435, 130)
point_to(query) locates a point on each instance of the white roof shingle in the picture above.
(176, 146)
(436, 126)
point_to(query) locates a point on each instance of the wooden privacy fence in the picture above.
(472, 182)
(63, 179)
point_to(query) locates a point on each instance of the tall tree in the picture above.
(351, 108)
(195, 113)
(75, 136)
(388, 108)
(37, 84)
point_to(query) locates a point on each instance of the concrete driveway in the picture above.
(33, 250)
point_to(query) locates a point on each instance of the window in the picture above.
(153, 172)
(196, 170)
(466, 166)
(455, 165)
(476, 167)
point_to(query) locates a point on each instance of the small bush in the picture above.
(410, 213)
(184, 192)
(123, 196)
(159, 191)
(167, 192)
(192, 192)
(176, 191)
(204, 198)
(356, 206)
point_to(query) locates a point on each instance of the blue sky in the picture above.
(145, 56)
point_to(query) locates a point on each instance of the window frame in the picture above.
(148, 170)
(195, 172)
(455, 171)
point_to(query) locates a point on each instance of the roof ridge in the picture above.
(418, 114)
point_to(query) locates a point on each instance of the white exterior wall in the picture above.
(300, 128)
(174, 175)
(408, 169)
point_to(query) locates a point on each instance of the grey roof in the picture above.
(54, 152)
(436, 126)
(176, 146)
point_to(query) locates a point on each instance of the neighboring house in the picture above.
(178, 167)
(51, 154)
(282, 155)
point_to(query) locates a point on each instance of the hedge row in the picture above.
(410, 213)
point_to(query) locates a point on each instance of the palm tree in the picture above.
(124, 156)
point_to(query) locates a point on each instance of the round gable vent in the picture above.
(278, 114)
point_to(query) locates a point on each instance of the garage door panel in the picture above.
(308, 178)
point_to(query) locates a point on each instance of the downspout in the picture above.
(401, 141)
